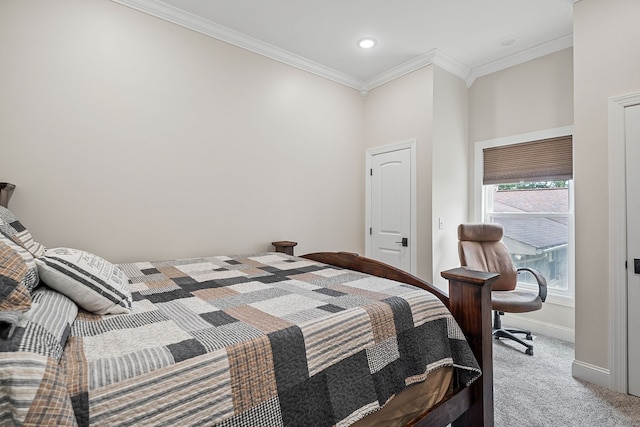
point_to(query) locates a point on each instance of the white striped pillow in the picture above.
(90, 281)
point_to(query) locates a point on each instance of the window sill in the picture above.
(563, 300)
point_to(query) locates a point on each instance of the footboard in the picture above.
(469, 300)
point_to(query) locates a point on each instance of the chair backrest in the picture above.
(480, 248)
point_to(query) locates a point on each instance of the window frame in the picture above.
(480, 204)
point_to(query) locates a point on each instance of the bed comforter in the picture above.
(265, 339)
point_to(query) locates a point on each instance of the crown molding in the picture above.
(433, 57)
(180, 17)
(469, 75)
(534, 52)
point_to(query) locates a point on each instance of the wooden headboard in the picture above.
(6, 189)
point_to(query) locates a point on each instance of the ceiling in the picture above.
(468, 38)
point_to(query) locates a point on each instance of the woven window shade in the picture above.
(543, 160)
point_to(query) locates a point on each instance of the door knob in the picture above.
(405, 242)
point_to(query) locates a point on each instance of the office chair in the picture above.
(480, 247)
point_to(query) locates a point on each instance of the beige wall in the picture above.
(607, 64)
(137, 139)
(398, 111)
(449, 170)
(530, 97)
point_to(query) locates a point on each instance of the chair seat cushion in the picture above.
(517, 301)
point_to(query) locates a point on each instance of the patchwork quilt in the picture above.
(253, 340)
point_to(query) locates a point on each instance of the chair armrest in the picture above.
(542, 282)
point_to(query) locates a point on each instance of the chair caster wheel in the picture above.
(529, 351)
(529, 337)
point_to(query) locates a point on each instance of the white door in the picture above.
(390, 228)
(632, 141)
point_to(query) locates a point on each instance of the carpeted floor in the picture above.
(539, 390)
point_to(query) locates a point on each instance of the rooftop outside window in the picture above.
(538, 221)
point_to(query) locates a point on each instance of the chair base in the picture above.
(500, 332)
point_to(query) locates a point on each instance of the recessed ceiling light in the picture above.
(367, 43)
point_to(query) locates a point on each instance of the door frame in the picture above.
(618, 371)
(370, 152)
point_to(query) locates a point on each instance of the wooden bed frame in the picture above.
(6, 189)
(469, 301)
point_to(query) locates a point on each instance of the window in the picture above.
(537, 218)
(525, 183)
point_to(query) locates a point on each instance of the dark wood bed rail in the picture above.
(469, 300)
(470, 304)
(6, 190)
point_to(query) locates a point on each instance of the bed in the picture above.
(241, 340)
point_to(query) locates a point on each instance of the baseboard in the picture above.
(591, 373)
(539, 327)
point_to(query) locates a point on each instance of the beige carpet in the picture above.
(539, 390)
